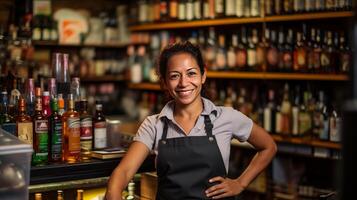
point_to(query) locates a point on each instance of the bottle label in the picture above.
(86, 134)
(100, 135)
(25, 132)
(41, 134)
(73, 132)
(252, 57)
(241, 58)
(56, 141)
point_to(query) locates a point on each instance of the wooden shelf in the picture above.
(144, 86)
(232, 21)
(277, 76)
(306, 141)
(253, 75)
(55, 44)
(309, 16)
(105, 78)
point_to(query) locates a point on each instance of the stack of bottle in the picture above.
(300, 113)
(60, 195)
(57, 125)
(147, 11)
(309, 49)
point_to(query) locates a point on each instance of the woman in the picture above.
(191, 137)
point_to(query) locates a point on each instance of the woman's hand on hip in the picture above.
(225, 188)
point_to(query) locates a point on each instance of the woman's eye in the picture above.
(174, 76)
(192, 73)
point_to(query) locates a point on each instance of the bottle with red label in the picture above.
(100, 128)
(71, 133)
(86, 129)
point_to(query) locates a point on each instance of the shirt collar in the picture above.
(208, 108)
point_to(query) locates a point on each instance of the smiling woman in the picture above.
(191, 137)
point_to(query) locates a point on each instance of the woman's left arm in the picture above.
(266, 149)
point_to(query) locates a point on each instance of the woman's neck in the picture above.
(190, 111)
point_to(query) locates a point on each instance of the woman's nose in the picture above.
(183, 81)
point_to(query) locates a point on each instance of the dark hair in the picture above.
(180, 47)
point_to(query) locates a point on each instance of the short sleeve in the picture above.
(241, 125)
(146, 132)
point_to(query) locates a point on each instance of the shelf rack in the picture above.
(233, 21)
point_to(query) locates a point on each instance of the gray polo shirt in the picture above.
(228, 123)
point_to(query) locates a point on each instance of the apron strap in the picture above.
(208, 126)
(164, 133)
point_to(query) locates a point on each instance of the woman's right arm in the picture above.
(126, 169)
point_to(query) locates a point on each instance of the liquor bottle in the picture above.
(143, 11)
(38, 196)
(325, 134)
(278, 120)
(7, 121)
(286, 112)
(318, 118)
(60, 195)
(335, 123)
(272, 53)
(247, 8)
(46, 107)
(219, 8)
(52, 88)
(24, 130)
(71, 133)
(86, 129)
(278, 4)
(76, 92)
(55, 133)
(316, 48)
(100, 128)
(211, 49)
(254, 8)
(197, 9)
(79, 194)
(304, 117)
(239, 8)
(164, 10)
(326, 54)
(298, 6)
(299, 54)
(63, 84)
(242, 104)
(309, 5)
(14, 97)
(269, 113)
(231, 54)
(229, 8)
(288, 52)
(268, 7)
(131, 190)
(319, 5)
(252, 51)
(40, 133)
(189, 10)
(241, 52)
(181, 10)
(173, 10)
(287, 6)
(221, 56)
(344, 55)
(30, 96)
(60, 102)
(295, 110)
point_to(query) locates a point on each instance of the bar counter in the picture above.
(93, 173)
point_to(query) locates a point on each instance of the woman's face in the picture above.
(183, 78)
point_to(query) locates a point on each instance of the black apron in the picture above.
(185, 164)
